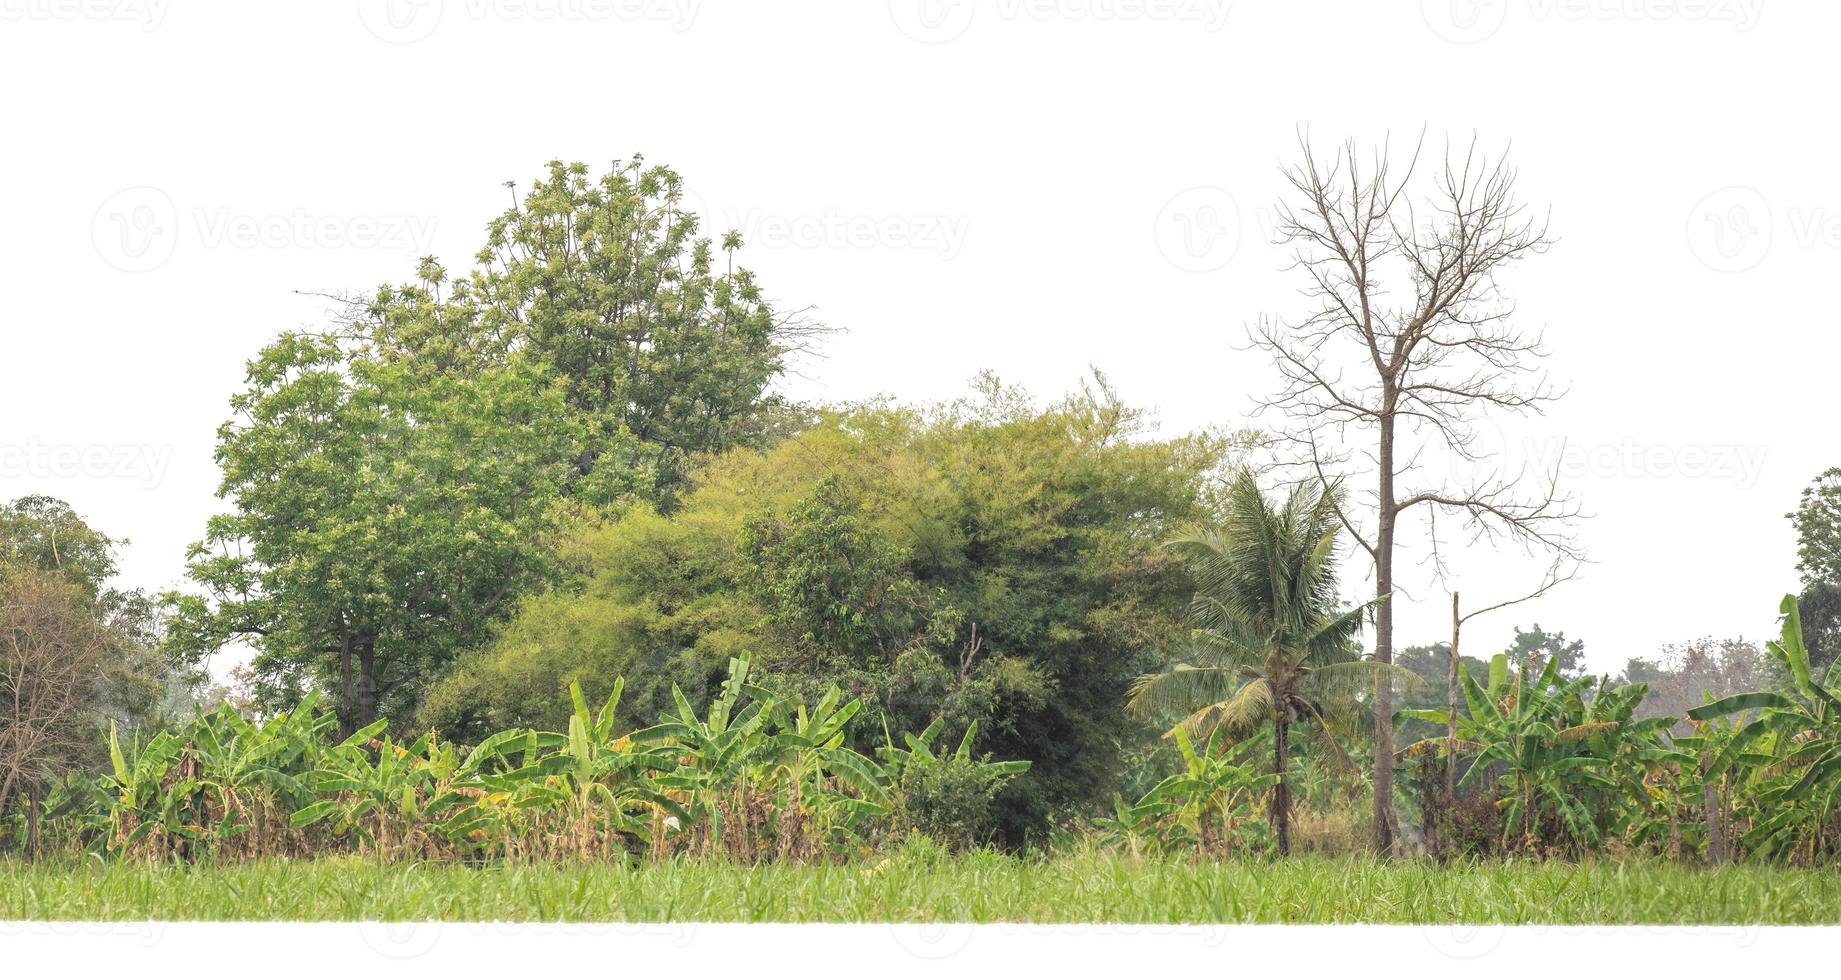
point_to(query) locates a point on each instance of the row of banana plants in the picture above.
(755, 777)
(1551, 765)
(1568, 767)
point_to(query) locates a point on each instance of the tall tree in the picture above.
(608, 284)
(1817, 519)
(1271, 644)
(388, 504)
(394, 476)
(1407, 342)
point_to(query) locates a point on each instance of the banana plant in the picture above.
(1788, 752)
(919, 752)
(138, 804)
(1211, 800)
(831, 792)
(1136, 828)
(714, 754)
(602, 781)
(248, 770)
(1549, 744)
(377, 801)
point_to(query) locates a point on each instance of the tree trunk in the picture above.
(347, 710)
(1714, 812)
(6, 787)
(1385, 820)
(367, 684)
(32, 792)
(1451, 694)
(1281, 792)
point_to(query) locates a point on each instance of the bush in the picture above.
(1469, 827)
(949, 799)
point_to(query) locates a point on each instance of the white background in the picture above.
(1027, 187)
(770, 951)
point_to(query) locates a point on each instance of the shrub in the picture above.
(950, 799)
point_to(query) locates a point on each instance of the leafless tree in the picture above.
(1375, 375)
(55, 654)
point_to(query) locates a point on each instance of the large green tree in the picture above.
(387, 504)
(394, 478)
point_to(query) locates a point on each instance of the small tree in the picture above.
(1270, 644)
(57, 662)
(1817, 519)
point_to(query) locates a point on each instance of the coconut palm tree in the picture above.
(1270, 640)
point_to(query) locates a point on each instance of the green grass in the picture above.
(978, 888)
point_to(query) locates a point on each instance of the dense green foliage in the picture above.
(1785, 759)
(387, 507)
(631, 616)
(1817, 519)
(75, 652)
(984, 562)
(393, 479)
(755, 777)
(922, 886)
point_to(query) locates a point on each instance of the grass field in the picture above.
(978, 888)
